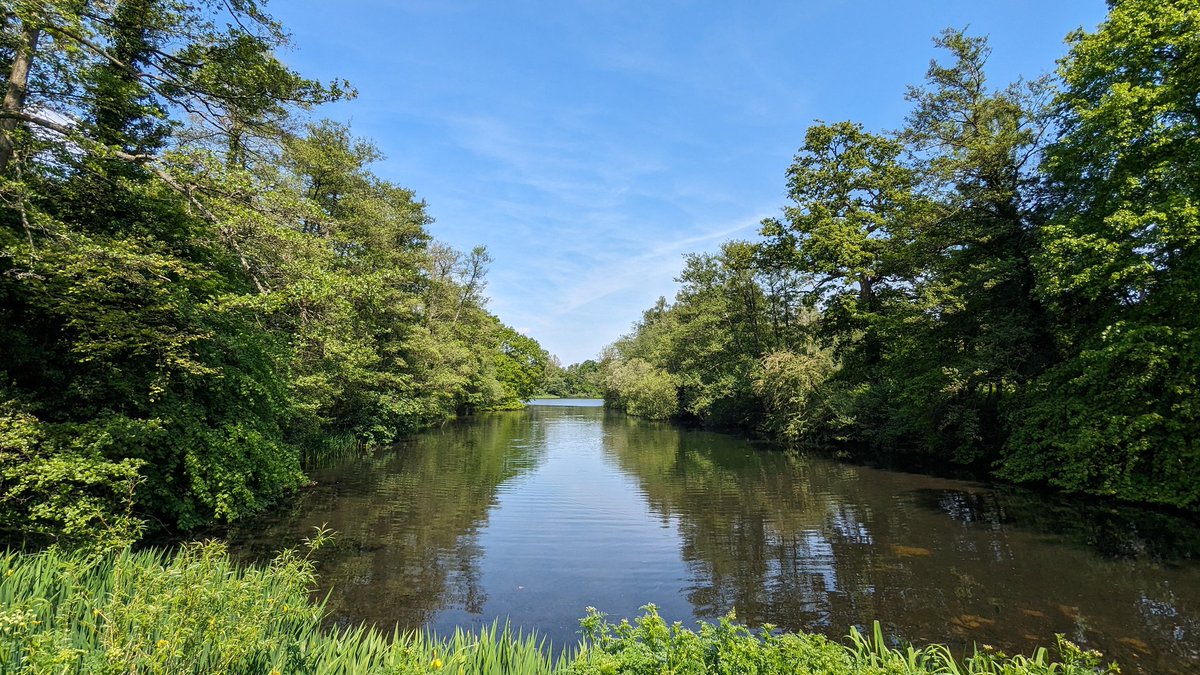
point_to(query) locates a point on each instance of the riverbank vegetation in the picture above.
(1008, 282)
(204, 286)
(578, 380)
(201, 281)
(193, 611)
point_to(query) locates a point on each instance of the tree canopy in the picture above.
(1008, 282)
(201, 283)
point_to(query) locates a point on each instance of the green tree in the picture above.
(977, 333)
(345, 269)
(520, 367)
(212, 60)
(194, 284)
(853, 217)
(583, 380)
(850, 232)
(641, 389)
(718, 333)
(1120, 265)
(554, 379)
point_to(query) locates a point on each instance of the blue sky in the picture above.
(590, 144)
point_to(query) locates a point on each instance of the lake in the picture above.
(532, 516)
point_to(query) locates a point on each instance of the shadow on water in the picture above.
(534, 515)
(1111, 531)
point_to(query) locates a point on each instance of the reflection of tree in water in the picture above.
(811, 544)
(1111, 530)
(802, 543)
(406, 519)
(757, 535)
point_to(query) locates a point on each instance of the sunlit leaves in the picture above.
(1121, 266)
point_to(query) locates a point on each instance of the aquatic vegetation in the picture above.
(195, 611)
(650, 645)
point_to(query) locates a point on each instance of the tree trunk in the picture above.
(14, 96)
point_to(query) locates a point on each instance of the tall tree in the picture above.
(979, 333)
(127, 341)
(1120, 265)
(854, 212)
(210, 61)
(719, 332)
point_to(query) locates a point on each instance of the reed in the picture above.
(330, 450)
(193, 610)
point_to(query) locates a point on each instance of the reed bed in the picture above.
(193, 610)
(331, 451)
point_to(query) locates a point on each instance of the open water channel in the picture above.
(532, 516)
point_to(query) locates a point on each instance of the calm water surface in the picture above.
(535, 515)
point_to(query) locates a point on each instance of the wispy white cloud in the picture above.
(663, 258)
(591, 227)
(565, 154)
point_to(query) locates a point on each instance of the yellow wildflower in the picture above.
(162, 644)
(436, 663)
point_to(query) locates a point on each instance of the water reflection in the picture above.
(1112, 531)
(805, 543)
(535, 515)
(407, 520)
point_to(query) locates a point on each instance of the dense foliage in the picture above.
(198, 281)
(195, 612)
(1008, 282)
(578, 380)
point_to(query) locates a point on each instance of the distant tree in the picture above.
(554, 378)
(583, 380)
(520, 367)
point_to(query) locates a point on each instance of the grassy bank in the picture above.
(195, 611)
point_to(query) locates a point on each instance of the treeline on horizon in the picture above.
(1010, 282)
(200, 282)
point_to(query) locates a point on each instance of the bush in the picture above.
(49, 494)
(642, 390)
(802, 404)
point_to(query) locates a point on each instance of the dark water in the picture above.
(536, 515)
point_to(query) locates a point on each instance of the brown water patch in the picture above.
(911, 551)
(971, 621)
(1139, 645)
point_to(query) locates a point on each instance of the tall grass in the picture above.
(195, 611)
(331, 450)
(872, 655)
(650, 645)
